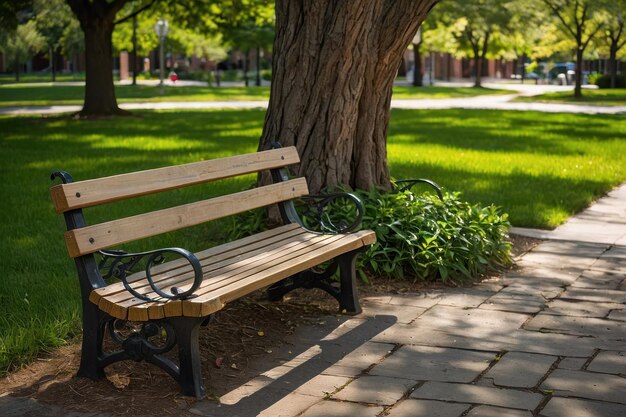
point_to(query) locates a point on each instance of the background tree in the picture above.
(52, 17)
(10, 14)
(613, 33)
(577, 19)
(482, 21)
(72, 42)
(20, 45)
(97, 19)
(246, 25)
(334, 63)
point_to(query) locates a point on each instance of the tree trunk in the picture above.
(417, 69)
(478, 68)
(613, 62)
(96, 19)
(578, 93)
(333, 71)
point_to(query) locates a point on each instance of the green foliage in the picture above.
(428, 239)
(21, 45)
(604, 81)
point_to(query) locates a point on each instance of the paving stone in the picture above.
(360, 359)
(20, 407)
(466, 393)
(514, 306)
(580, 308)
(341, 409)
(322, 385)
(591, 294)
(402, 313)
(414, 408)
(577, 254)
(619, 315)
(609, 362)
(521, 370)
(465, 297)
(574, 364)
(473, 322)
(600, 278)
(544, 275)
(424, 299)
(495, 340)
(289, 406)
(544, 291)
(584, 326)
(590, 385)
(571, 407)
(435, 364)
(379, 390)
(488, 411)
(515, 301)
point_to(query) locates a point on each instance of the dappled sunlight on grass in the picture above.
(540, 168)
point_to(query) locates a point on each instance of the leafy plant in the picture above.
(429, 239)
(418, 236)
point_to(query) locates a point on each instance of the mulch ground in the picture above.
(239, 336)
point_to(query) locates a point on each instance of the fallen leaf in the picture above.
(261, 333)
(119, 381)
(219, 362)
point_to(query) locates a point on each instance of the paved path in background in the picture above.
(498, 102)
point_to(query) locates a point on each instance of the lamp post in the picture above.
(161, 28)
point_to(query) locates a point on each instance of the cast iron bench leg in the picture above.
(94, 327)
(190, 366)
(348, 298)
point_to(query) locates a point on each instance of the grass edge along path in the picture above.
(59, 94)
(542, 166)
(598, 97)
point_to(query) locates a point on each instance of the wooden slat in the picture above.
(233, 276)
(104, 235)
(113, 297)
(116, 304)
(118, 187)
(206, 257)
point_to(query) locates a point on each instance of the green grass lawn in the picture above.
(603, 97)
(44, 95)
(539, 167)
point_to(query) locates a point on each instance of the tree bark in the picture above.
(333, 71)
(613, 62)
(417, 69)
(97, 22)
(578, 93)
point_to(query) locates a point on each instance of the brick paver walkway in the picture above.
(547, 339)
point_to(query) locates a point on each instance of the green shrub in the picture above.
(419, 237)
(604, 81)
(422, 237)
(266, 74)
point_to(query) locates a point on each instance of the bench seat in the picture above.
(230, 271)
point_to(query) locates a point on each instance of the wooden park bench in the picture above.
(165, 304)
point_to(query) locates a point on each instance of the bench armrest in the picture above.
(404, 185)
(319, 208)
(119, 264)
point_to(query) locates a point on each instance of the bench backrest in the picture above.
(89, 193)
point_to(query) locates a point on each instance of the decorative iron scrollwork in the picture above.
(119, 264)
(143, 341)
(404, 185)
(336, 220)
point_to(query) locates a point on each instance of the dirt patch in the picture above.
(242, 334)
